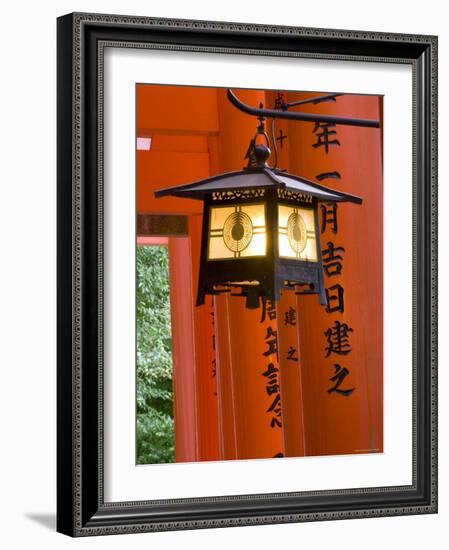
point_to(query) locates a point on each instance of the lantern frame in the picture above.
(82, 507)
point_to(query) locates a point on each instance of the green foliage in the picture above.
(155, 426)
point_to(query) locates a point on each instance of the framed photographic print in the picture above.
(246, 274)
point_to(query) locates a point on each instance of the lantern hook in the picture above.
(257, 153)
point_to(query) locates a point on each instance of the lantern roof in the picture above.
(260, 177)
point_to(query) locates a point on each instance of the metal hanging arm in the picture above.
(305, 117)
(314, 100)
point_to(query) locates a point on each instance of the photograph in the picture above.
(259, 273)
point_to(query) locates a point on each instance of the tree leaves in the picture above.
(155, 424)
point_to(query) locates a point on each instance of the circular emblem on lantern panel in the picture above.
(237, 231)
(296, 232)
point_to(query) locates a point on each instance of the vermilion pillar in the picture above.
(341, 345)
(247, 358)
(205, 361)
(290, 363)
(183, 351)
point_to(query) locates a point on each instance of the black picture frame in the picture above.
(81, 510)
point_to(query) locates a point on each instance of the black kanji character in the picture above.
(271, 341)
(335, 300)
(281, 138)
(332, 263)
(290, 316)
(291, 354)
(329, 217)
(340, 374)
(338, 339)
(324, 137)
(268, 308)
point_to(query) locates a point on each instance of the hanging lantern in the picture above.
(260, 230)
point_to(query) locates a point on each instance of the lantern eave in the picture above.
(300, 184)
(239, 180)
(257, 178)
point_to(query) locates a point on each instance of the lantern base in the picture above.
(256, 290)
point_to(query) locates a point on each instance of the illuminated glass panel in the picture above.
(237, 231)
(296, 232)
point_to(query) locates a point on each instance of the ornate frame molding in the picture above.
(81, 508)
